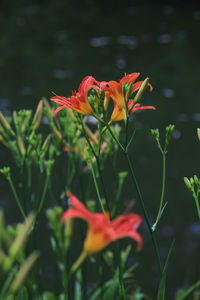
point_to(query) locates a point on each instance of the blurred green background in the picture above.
(50, 46)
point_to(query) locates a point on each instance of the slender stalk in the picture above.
(97, 188)
(155, 245)
(98, 166)
(102, 183)
(78, 262)
(44, 193)
(114, 138)
(121, 282)
(163, 191)
(16, 197)
(196, 196)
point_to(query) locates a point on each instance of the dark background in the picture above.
(52, 45)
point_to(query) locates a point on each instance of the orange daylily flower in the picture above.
(115, 90)
(79, 100)
(102, 231)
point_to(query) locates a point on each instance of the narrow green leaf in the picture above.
(78, 285)
(188, 291)
(162, 284)
(23, 294)
(6, 286)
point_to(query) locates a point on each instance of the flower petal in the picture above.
(129, 78)
(58, 109)
(73, 213)
(76, 203)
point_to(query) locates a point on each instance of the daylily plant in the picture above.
(102, 231)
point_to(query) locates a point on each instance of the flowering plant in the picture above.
(74, 156)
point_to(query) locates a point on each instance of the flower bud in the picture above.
(21, 145)
(49, 164)
(38, 115)
(141, 91)
(155, 133)
(57, 134)
(108, 256)
(22, 236)
(54, 214)
(130, 91)
(5, 123)
(169, 131)
(187, 183)
(48, 108)
(192, 181)
(68, 232)
(23, 272)
(196, 180)
(6, 172)
(198, 133)
(2, 140)
(46, 144)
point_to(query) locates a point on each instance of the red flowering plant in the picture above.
(102, 231)
(92, 99)
(88, 146)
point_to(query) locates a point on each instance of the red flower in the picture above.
(115, 90)
(102, 231)
(79, 101)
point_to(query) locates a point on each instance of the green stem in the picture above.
(16, 197)
(117, 198)
(102, 183)
(197, 203)
(114, 138)
(155, 245)
(78, 262)
(163, 191)
(43, 193)
(97, 188)
(98, 166)
(121, 282)
(126, 131)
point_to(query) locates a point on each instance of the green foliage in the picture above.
(14, 265)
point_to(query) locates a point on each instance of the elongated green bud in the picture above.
(46, 144)
(49, 110)
(38, 115)
(169, 131)
(187, 183)
(130, 90)
(57, 134)
(3, 141)
(198, 133)
(196, 180)
(68, 232)
(141, 91)
(23, 272)
(22, 236)
(155, 133)
(5, 123)
(21, 145)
